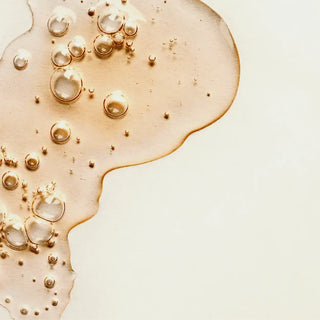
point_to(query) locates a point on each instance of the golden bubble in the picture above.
(60, 132)
(110, 21)
(118, 38)
(130, 28)
(103, 45)
(21, 60)
(58, 25)
(91, 11)
(10, 180)
(55, 302)
(32, 161)
(52, 259)
(24, 311)
(49, 282)
(152, 59)
(66, 84)
(116, 105)
(61, 56)
(77, 47)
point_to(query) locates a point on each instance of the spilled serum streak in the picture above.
(99, 87)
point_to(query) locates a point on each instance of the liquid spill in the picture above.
(94, 86)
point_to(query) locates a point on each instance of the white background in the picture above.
(228, 226)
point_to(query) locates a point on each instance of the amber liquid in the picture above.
(179, 73)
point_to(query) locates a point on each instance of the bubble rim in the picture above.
(15, 186)
(60, 34)
(63, 101)
(38, 198)
(122, 115)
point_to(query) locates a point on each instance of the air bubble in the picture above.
(77, 47)
(58, 25)
(110, 21)
(60, 132)
(24, 311)
(21, 60)
(116, 105)
(50, 208)
(32, 161)
(49, 282)
(66, 84)
(55, 302)
(52, 259)
(61, 56)
(10, 180)
(130, 28)
(91, 11)
(152, 59)
(15, 234)
(38, 231)
(118, 38)
(103, 45)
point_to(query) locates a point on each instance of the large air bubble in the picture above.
(50, 207)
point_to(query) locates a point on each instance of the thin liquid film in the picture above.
(97, 86)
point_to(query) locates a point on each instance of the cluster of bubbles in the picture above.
(47, 207)
(10, 180)
(66, 83)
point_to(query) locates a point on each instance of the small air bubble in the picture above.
(91, 92)
(49, 282)
(52, 259)
(32, 161)
(130, 28)
(110, 21)
(152, 59)
(118, 38)
(60, 132)
(103, 45)
(91, 12)
(21, 60)
(24, 311)
(10, 180)
(77, 47)
(116, 105)
(55, 302)
(61, 56)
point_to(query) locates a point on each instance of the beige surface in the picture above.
(227, 227)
